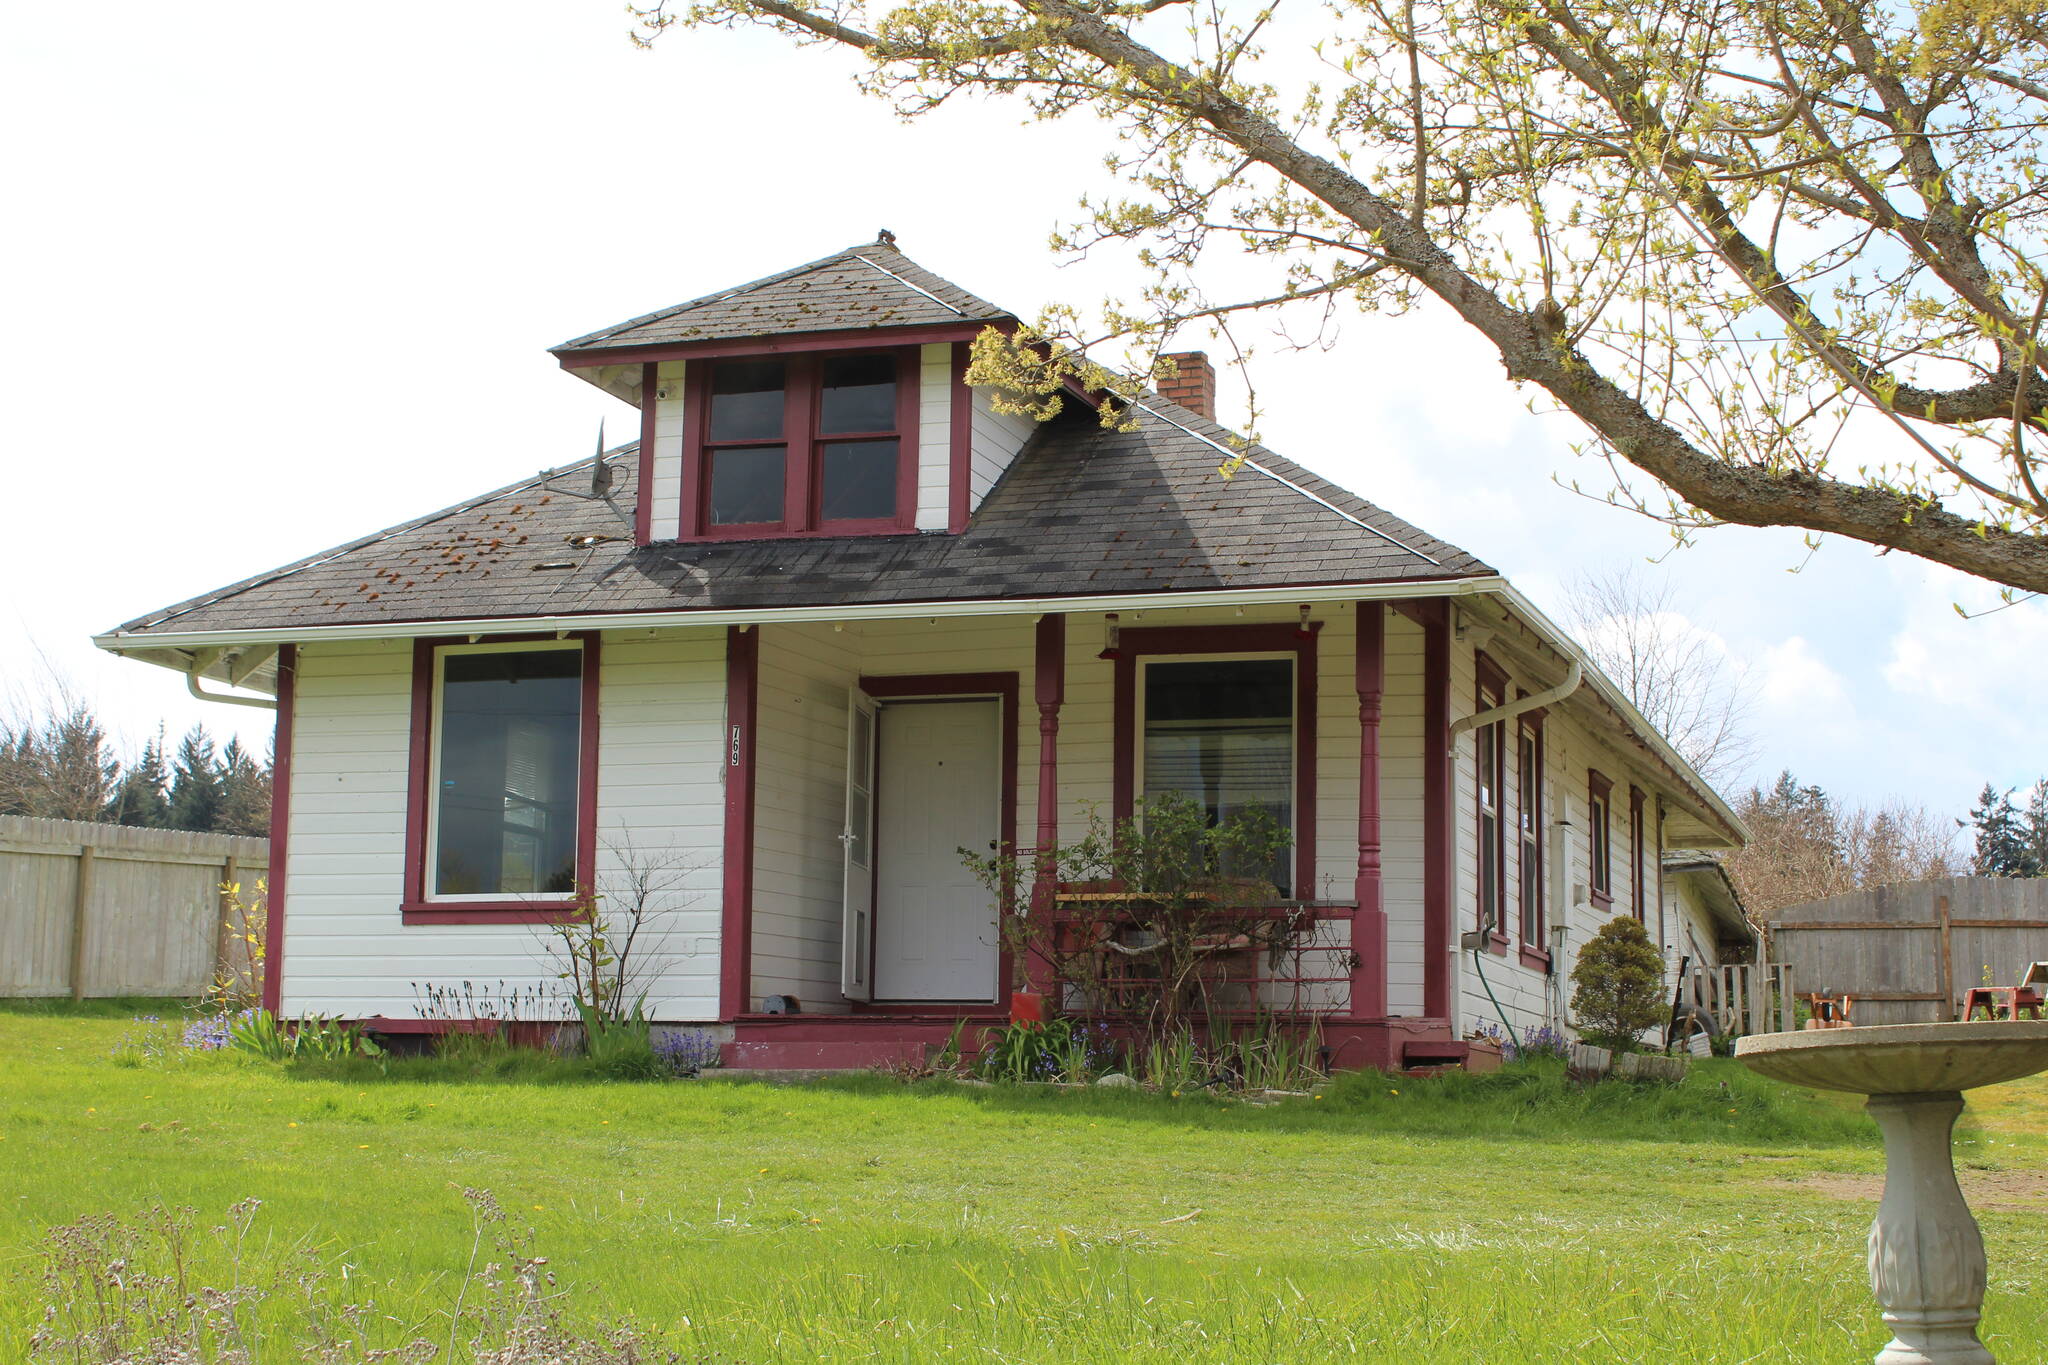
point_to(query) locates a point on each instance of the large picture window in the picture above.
(1221, 733)
(502, 778)
(805, 443)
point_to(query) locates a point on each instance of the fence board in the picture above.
(147, 901)
(1908, 953)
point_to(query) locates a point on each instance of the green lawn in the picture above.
(865, 1220)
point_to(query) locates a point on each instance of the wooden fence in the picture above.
(1908, 953)
(94, 910)
(1743, 997)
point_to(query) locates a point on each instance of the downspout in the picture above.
(1509, 710)
(205, 660)
(1475, 942)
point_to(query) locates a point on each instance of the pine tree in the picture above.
(79, 775)
(143, 796)
(245, 793)
(2035, 832)
(195, 783)
(2002, 844)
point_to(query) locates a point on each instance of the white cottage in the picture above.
(832, 618)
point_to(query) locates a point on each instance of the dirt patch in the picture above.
(2012, 1191)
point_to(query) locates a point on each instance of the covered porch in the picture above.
(864, 756)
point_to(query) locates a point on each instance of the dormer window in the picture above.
(807, 443)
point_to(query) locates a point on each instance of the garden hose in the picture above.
(1498, 1013)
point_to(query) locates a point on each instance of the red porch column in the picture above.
(1049, 690)
(1369, 919)
(1439, 849)
(280, 827)
(736, 948)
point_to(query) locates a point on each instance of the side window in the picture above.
(1599, 839)
(505, 764)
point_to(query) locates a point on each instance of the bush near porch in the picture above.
(1463, 1219)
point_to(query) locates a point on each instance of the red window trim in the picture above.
(416, 908)
(1535, 949)
(1275, 638)
(801, 490)
(1600, 880)
(1635, 850)
(1490, 689)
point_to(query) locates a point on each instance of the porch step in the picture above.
(1434, 1054)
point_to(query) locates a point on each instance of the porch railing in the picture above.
(1291, 959)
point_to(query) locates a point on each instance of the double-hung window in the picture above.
(1529, 832)
(1221, 733)
(1636, 850)
(821, 443)
(1599, 839)
(1490, 770)
(501, 772)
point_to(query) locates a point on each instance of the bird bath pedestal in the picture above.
(1926, 1255)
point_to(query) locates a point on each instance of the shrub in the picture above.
(1618, 985)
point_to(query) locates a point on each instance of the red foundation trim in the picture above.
(960, 475)
(416, 907)
(742, 691)
(1437, 786)
(1369, 920)
(1274, 638)
(280, 827)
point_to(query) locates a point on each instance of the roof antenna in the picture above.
(602, 479)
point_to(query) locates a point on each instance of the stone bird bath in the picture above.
(1926, 1255)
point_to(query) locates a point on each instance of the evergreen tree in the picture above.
(2002, 843)
(79, 774)
(195, 783)
(245, 793)
(2035, 833)
(143, 798)
(1618, 985)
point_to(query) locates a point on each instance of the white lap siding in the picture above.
(806, 673)
(345, 950)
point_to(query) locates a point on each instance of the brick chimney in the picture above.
(1194, 388)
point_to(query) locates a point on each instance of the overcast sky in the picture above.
(279, 275)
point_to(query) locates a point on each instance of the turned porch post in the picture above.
(1369, 919)
(1049, 690)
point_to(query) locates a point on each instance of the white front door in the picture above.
(858, 842)
(937, 793)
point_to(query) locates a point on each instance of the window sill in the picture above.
(1536, 959)
(491, 912)
(1496, 943)
(1603, 900)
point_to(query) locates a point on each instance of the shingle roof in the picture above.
(869, 285)
(1084, 510)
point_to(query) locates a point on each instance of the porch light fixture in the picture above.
(1112, 647)
(1302, 631)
